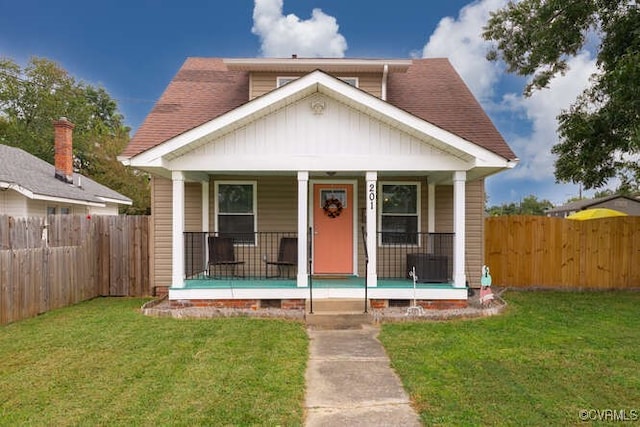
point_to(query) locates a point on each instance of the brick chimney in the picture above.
(63, 159)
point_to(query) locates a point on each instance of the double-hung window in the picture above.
(400, 214)
(236, 210)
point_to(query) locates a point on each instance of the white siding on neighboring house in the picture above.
(13, 203)
(109, 209)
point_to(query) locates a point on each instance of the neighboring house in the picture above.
(625, 204)
(29, 186)
(358, 160)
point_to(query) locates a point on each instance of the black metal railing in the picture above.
(261, 255)
(430, 253)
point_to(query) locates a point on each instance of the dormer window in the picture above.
(353, 81)
(281, 81)
(284, 80)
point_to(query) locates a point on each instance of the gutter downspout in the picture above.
(385, 73)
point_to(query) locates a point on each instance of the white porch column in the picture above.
(177, 259)
(372, 227)
(303, 224)
(205, 219)
(459, 278)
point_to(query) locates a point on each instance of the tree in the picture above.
(33, 97)
(530, 205)
(600, 132)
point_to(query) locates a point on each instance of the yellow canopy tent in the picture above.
(595, 213)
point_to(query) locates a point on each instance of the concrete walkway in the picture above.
(350, 382)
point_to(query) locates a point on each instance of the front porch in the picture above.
(255, 271)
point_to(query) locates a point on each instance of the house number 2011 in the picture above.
(372, 196)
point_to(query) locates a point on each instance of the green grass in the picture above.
(103, 363)
(551, 355)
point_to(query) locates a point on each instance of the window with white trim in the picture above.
(236, 210)
(400, 213)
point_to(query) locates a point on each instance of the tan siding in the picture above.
(161, 206)
(278, 204)
(371, 83)
(474, 225)
(192, 207)
(262, 83)
(444, 209)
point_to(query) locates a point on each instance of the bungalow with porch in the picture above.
(275, 181)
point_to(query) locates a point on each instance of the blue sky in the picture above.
(134, 47)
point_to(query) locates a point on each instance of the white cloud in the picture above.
(461, 41)
(541, 110)
(282, 36)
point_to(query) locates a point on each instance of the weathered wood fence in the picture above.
(530, 251)
(48, 263)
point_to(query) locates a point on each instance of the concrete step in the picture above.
(336, 313)
(337, 305)
(329, 321)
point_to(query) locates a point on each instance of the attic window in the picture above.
(353, 81)
(281, 81)
(284, 80)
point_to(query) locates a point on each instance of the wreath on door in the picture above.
(332, 207)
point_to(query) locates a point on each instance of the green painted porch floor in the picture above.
(342, 283)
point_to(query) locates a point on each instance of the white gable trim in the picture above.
(316, 81)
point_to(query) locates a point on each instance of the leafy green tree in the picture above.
(530, 205)
(600, 132)
(31, 98)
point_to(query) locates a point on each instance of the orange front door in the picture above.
(333, 228)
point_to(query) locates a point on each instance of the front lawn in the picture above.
(103, 363)
(554, 358)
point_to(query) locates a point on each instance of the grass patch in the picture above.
(103, 363)
(550, 356)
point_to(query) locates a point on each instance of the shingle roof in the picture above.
(432, 90)
(34, 174)
(587, 203)
(204, 88)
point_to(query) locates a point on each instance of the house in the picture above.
(29, 186)
(373, 166)
(625, 204)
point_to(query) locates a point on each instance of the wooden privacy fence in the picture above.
(531, 251)
(48, 263)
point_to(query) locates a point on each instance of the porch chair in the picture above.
(287, 256)
(222, 254)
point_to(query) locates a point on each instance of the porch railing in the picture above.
(254, 256)
(430, 253)
(251, 256)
